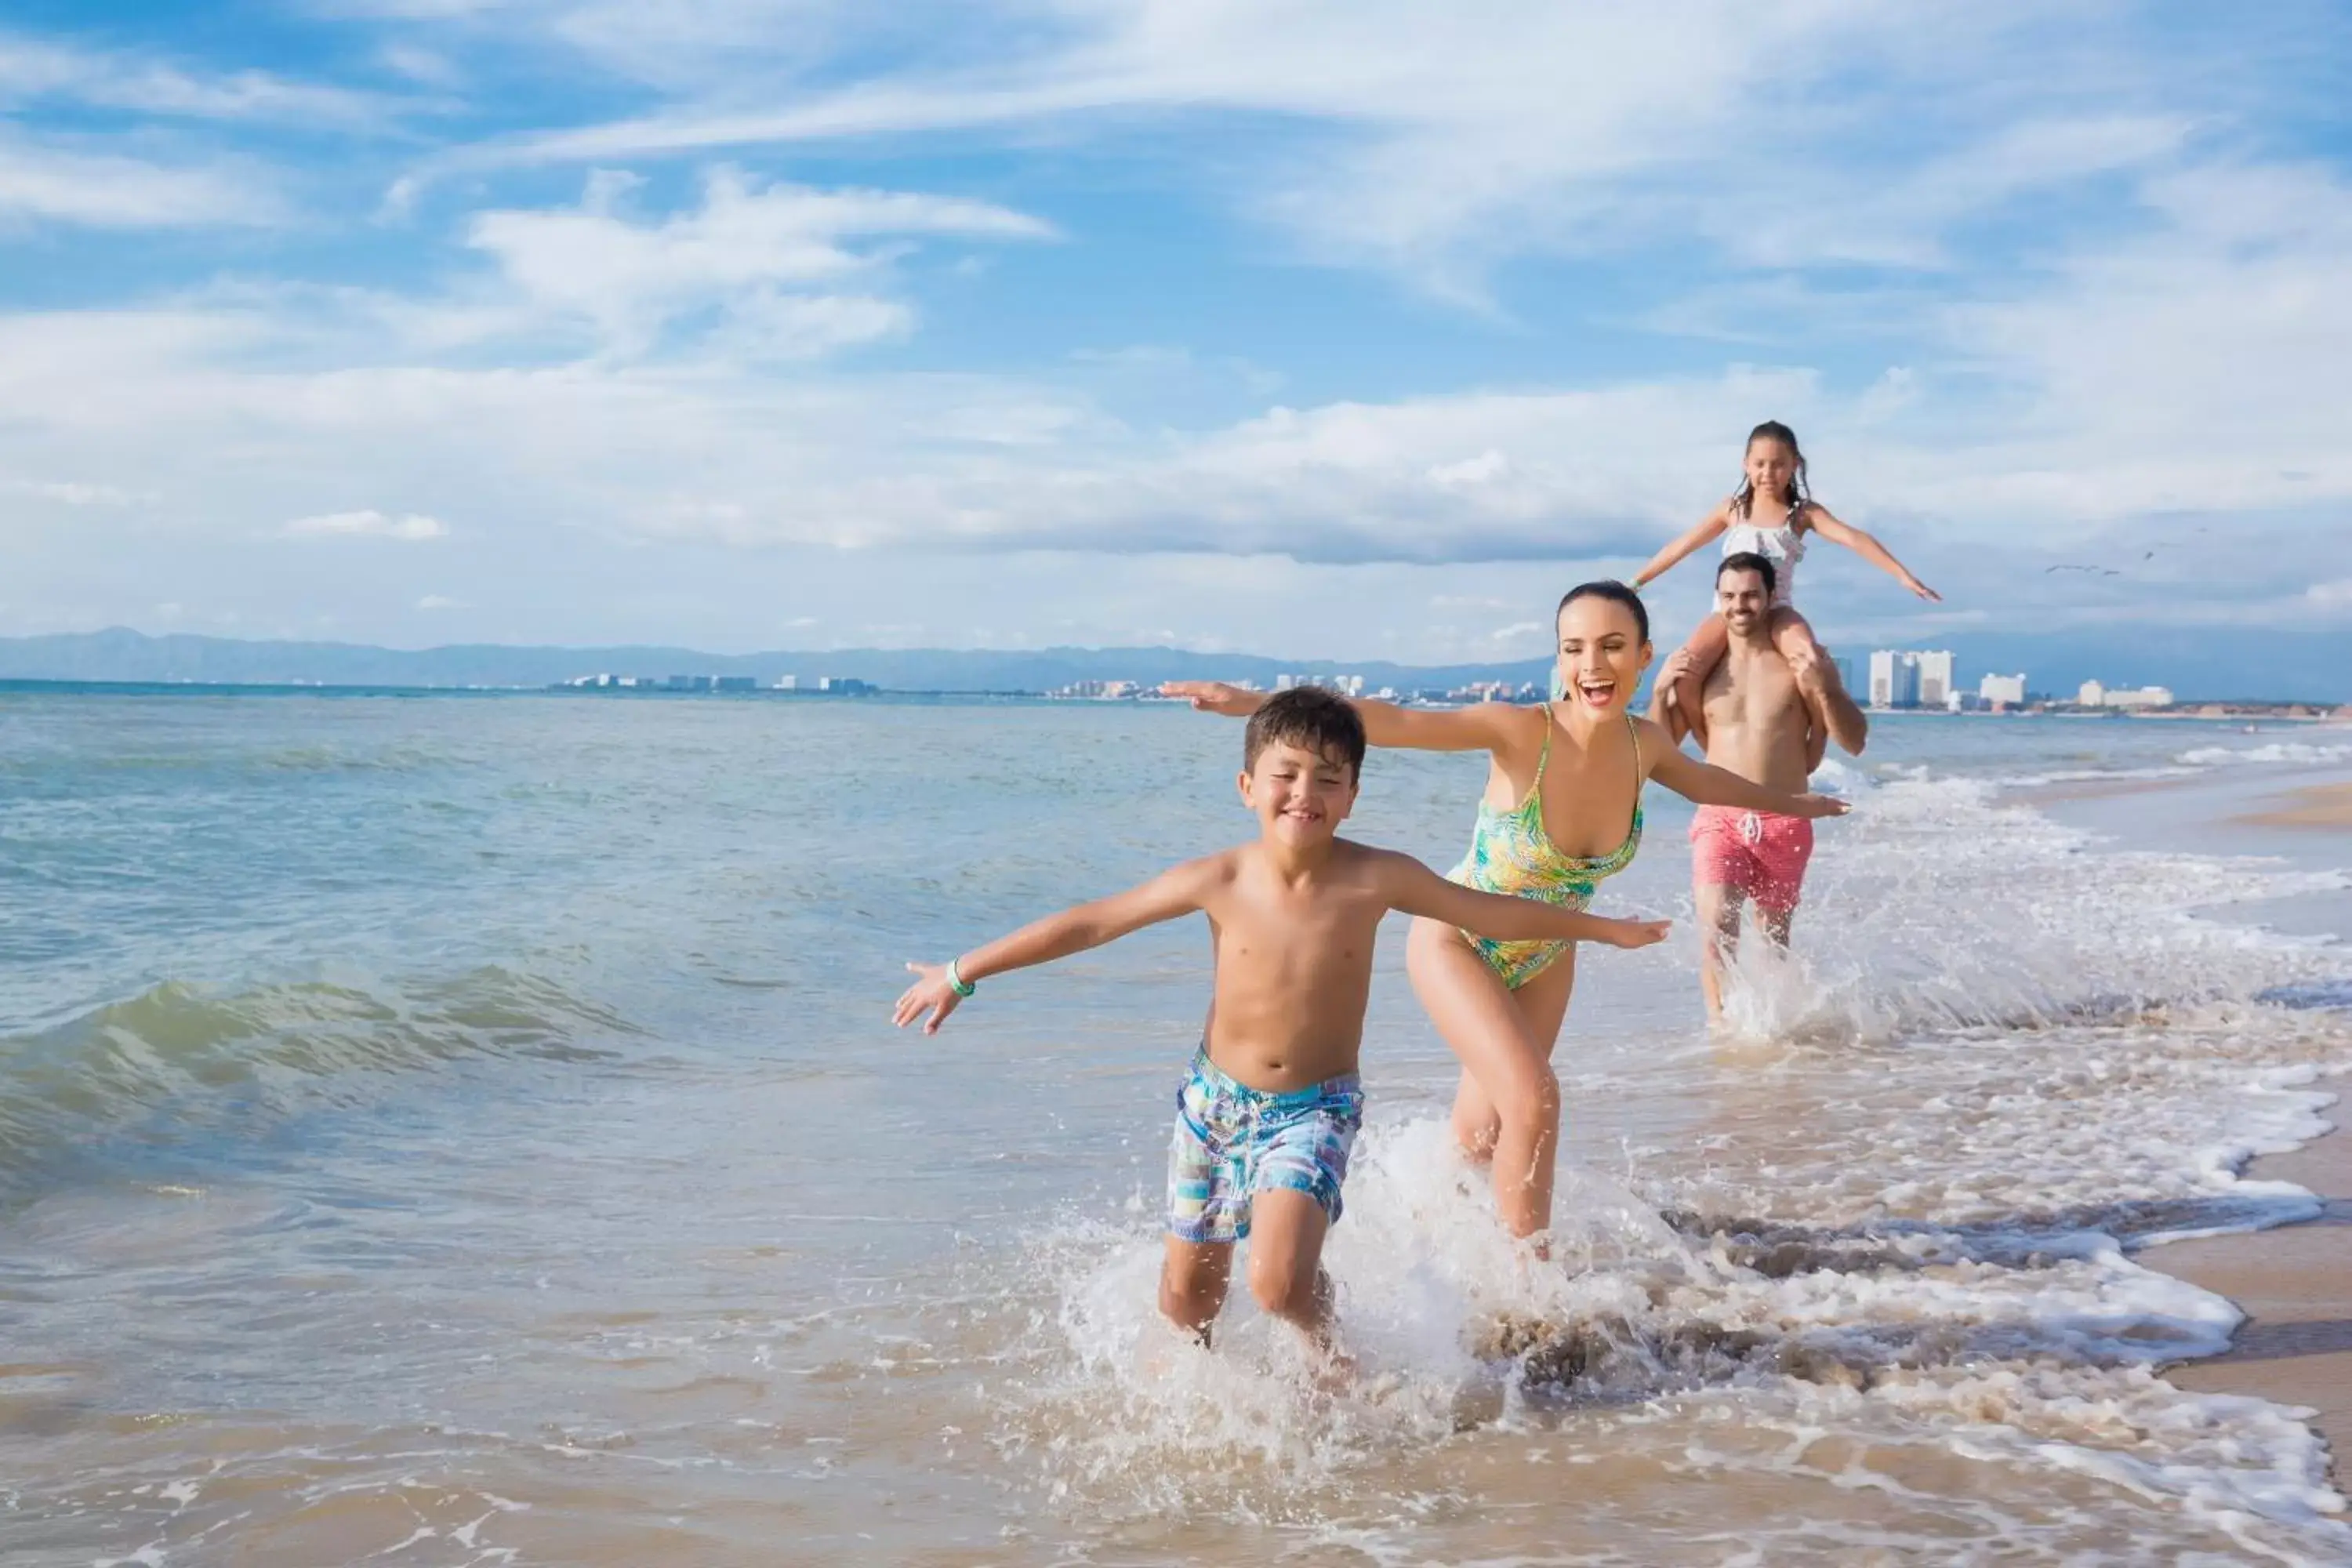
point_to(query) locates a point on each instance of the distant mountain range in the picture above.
(2204, 663)
(121, 655)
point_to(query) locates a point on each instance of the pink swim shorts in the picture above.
(1751, 852)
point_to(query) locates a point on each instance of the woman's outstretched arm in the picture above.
(1709, 786)
(1483, 727)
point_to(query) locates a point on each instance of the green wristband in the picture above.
(957, 983)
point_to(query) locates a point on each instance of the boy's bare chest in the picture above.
(1289, 936)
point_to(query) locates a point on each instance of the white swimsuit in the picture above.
(1782, 546)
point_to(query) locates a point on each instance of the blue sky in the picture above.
(1339, 330)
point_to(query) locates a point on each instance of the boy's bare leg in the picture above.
(1192, 1280)
(1286, 1267)
(1718, 923)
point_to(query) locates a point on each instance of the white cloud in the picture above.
(741, 249)
(98, 190)
(413, 528)
(441, 602)
(1436, 141)
(34, 69)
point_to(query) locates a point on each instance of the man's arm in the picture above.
(1483, 727)
(1418, 890)
(1177, 892)
(1820, 521)
(1710, 786)
(1833, 713)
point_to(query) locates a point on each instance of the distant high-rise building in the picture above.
(1901, 678)
(1894, 679)
(2096, 695)
(788, 683)
(2009, 690)
(1285, 682)
(1844, 668)
(1935, 678)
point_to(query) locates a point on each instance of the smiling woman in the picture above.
(1562, 777)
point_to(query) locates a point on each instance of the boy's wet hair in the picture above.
(1749, 560)
(1616, 593)
(1744, 498)
(1321, 722)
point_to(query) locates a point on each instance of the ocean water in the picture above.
(467, 1130)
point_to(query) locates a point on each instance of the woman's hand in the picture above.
(1215, 696)
(1633, 934)
(1923, 590)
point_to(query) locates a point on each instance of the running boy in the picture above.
(1269, 1111)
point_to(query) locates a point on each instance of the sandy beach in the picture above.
(2321, 806)
(2295, 1346)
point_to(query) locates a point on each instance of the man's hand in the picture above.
(1632, 933)
(1819, 806)
(1671, 673)
(931, 994)
(1215, 696)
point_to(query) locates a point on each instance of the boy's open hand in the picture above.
(1820, 806)
(1635, 934)
(930, 993)
(1214, 697)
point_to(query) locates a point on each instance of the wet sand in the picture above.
(2322, 806)
(2295, 1285)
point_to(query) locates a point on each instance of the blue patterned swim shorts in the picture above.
(1232, 1141)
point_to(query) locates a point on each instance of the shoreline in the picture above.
(2313, 806)
(2294, 1348)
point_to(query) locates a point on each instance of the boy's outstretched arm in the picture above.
(1707, 785)
(1711, 526)
(1820, 520)
(1482, 727)
(1177, 892)
(1418, 890)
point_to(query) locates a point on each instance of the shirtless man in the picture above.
(1768, 719)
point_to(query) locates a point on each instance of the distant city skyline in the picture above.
(122, 654)
(1304, 328)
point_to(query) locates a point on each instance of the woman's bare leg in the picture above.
(1507, 1108)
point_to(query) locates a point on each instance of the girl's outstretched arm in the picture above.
(1819, 520)
(1177, 892)
(1711, 526)
(1482, 727)
(1710, 786)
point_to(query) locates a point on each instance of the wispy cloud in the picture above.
(98, 190)
(32, 69)
(755, 251)
(412, 527)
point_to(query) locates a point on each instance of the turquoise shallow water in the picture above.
(467, 1129)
